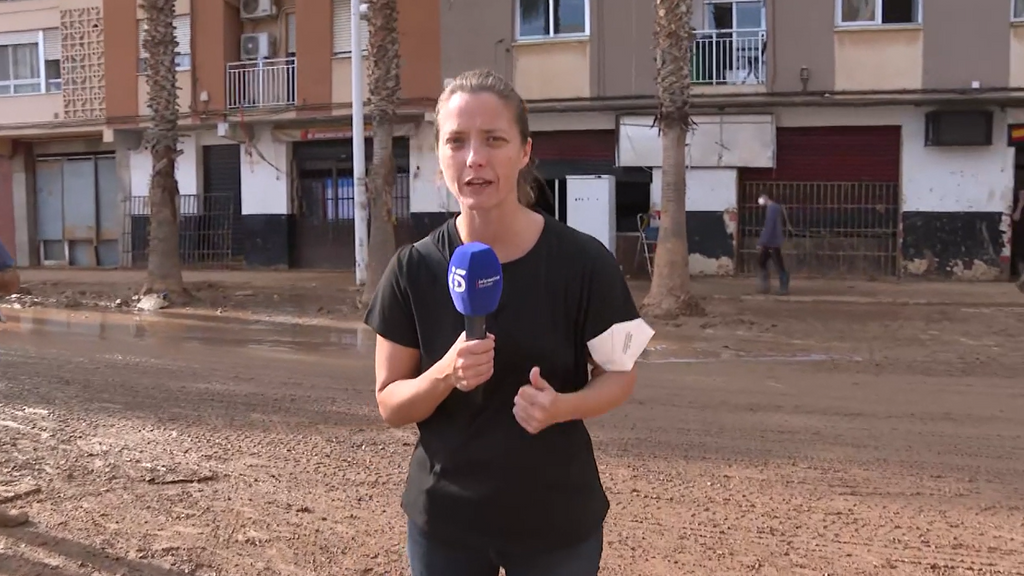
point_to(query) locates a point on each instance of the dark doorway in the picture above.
(551, 197)
(213, 236)
(325, 217)
(324, 231)
(632, 200)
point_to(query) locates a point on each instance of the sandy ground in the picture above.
(854, 429)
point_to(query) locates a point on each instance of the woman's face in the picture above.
(480, 150)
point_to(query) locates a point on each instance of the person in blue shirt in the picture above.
(10, 282)
(769, 246)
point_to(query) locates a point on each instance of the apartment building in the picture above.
(265, 171)
(882, 124)
(889, 130)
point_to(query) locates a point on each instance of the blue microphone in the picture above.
(474, 282)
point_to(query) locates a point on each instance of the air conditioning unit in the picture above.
(257, 46)
(256, 9)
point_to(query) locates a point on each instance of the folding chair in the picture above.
(648, 225)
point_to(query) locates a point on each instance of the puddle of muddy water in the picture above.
(206, 332)
(311, 342)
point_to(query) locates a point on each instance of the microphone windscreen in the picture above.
(474, 279)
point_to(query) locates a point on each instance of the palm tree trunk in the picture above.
(384, 84)
(164, 272)
(670, 295)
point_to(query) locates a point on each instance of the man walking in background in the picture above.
(769, 246)
(10, 282)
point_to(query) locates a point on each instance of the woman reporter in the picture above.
(509, 481)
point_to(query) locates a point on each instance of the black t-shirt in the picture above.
(476, 475)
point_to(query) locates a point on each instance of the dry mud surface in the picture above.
(773, 437)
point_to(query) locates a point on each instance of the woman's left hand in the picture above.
(537, 404)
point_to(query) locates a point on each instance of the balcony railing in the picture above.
(261, 83)
(729, 57)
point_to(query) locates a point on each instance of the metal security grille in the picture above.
(206, 233)
(834, 229)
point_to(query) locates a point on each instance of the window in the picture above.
(19, 69)
(553, 18)
(51, 59)
(343, 28)
(1018, 9)
(183, 52)
(734, 15)
(875, 12)
(730, 48)
(54, 83)
(290, 31)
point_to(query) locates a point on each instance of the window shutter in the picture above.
(51, 43)
(343, 28)
(290, 31)
(364, 34)
(183, 33)
(26, 37)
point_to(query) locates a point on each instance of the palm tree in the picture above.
(164, 272)
(384, 85)
(670, 295)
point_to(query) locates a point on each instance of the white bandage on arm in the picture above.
(617, 348)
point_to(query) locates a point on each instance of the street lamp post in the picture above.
(362, 208)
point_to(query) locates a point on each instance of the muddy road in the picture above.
(773, 438)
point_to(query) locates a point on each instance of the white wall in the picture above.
(956, 179)
(189, 182)
(264, 170)
(716, 141)
(427, 190)
(563, 121)
(707, 189)
(24, 248)
(265, 163)
(933, 179)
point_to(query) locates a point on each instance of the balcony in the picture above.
(729, 58)
(261, 83)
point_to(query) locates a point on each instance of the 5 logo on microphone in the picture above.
(457, 279)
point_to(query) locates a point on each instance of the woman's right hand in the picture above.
(470, 363)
